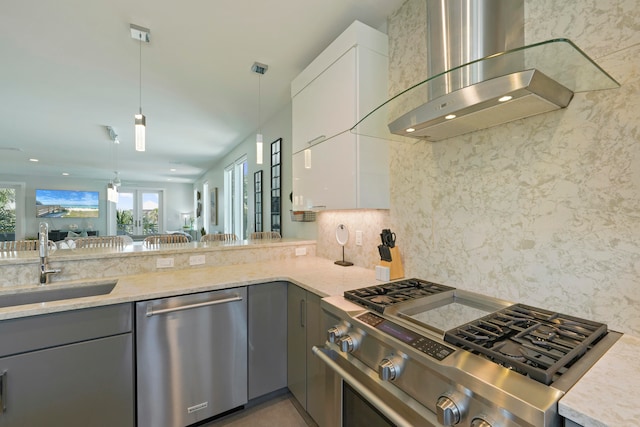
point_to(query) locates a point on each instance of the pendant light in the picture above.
(112, 187)
(112, 193)
(142, 35)
(114, 138)
(116, 179)
(259, 69)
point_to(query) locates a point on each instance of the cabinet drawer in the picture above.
(51, 330)
(77, 385)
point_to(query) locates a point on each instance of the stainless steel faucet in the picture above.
(44, 253)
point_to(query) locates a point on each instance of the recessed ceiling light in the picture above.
(172, 170)
(450, 116)
(410, 130)
(33, 160)
(65, 173)
(505, 98)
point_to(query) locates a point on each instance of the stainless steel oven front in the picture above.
(395, 367)
(358, 398)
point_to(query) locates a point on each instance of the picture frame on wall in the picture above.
(214, 206)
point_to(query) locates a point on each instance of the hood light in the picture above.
(409, 130)
(450, 116)
(505, 98)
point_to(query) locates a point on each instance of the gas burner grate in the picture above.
(381, 296)
(534, 342)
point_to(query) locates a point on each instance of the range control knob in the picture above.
(336, 332)
(389, 368)
(447, 411)
(479, 422)
(349, 343)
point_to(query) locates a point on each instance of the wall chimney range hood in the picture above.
(481, 75)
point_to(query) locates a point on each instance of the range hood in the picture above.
(474, 85)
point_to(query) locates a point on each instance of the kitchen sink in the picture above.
(47, 293)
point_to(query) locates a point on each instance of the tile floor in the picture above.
(279, 410)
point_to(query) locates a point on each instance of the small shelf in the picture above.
(303, 216)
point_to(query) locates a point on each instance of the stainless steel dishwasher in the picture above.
(191, 357)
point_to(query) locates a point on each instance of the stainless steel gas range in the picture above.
(418, 353)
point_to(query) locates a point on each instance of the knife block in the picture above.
(396, 271)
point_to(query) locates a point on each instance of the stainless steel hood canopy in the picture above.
(476, 107)
(482, 76)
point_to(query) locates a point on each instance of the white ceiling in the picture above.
(68, 68)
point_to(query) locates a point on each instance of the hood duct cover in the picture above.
(476, 57)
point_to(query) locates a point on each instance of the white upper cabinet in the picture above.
(327, 106)
(332, 167)
(342, 174)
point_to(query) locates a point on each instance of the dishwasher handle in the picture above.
(151, 311)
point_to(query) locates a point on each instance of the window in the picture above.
(276, 173)
(206, 206)
(235, 198)
(257, 200)
(139, 212)
(12, 215)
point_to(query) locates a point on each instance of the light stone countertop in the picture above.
(318, 275)
(608, 395)
(138, 249)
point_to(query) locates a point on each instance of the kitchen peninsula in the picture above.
(20, 269)
(237, 265)
(139, 278)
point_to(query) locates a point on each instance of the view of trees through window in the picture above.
(7, 210)
(138, 211)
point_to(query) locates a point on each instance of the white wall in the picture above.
(275, 127)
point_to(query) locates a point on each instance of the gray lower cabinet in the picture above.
(306, 373)
(296, 344)
(267, 338)
(68, 369)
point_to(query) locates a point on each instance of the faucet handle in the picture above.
(43, 239)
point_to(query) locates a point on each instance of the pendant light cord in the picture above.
(259, 98)
(140, 56)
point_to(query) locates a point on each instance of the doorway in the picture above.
(139, 212)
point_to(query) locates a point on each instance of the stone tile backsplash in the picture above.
(544, 211)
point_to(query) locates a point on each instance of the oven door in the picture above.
(361, 399)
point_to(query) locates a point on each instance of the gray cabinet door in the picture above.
(308, 379)
(316, 372)
(77, 385)
(296, 344)
(267, 322)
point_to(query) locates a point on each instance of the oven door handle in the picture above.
(386, 410)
